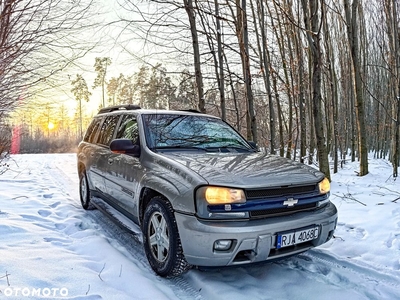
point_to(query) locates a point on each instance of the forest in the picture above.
(312, 80)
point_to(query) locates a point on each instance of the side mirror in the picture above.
(125, 146)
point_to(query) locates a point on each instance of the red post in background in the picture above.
(15, 140)
(16, 133)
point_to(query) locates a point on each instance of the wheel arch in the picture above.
(173, 191)
(145, 197)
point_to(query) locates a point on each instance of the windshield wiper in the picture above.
(228, 148)
(183, 147)
(237, 147)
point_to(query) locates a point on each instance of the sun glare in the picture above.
(50, 125)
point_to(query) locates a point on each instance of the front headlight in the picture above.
(221, 195)
(215, 202)
(324, 186)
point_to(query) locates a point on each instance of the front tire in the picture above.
(161, 239)
(84, 192)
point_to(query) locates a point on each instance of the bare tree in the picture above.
(100, 66)
(196, 52)
(353, 37)
(312, 20)
(38, 40)
(127, 90)
(81, 92)
(265, 66)
(243, 41)
(332, 108)
(312, 86)
(114, 87)
(393, 31)
(213, 32)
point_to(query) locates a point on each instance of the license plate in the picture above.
(297, 237)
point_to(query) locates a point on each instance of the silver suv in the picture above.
(202, 195)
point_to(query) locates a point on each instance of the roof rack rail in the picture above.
(192, 110)
(118, 107)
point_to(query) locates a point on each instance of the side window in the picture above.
(128, 129)
(107, 129)
(91, 132)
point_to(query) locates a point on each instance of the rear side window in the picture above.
(107, 129)
(91, 132)
(128, 129)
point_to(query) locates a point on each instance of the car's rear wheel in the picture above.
(161, 239)
(84, 191)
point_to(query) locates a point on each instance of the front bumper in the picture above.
(253, 241)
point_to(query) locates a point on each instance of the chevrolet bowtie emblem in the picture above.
(290, 202)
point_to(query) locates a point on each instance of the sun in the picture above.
(50, 125)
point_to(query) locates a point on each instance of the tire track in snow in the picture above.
(369, 272)
(69, 185)
(131, 239)
(343, 273)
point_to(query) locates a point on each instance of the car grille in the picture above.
(258, 214)
(271, 193)
(281, 191)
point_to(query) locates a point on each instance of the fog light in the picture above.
(222, 245)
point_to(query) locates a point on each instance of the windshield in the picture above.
(190, 131)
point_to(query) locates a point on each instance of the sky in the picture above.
(53, 249)
(107, 41)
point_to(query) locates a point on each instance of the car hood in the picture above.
(250, 170)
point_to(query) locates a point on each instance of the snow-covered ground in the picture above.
(51, 248)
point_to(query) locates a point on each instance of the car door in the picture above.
(90, 152)
(103, 165)
(124, 169)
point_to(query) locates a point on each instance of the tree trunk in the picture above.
(196, 53)
(396, 102)
(334, 93)
(243, 39)
(265, 69)
(352, 33)
(221, 82)
(280, 36)
(302, 104)
(312, 23)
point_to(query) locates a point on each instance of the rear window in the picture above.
(91, 132)
(107, 129)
